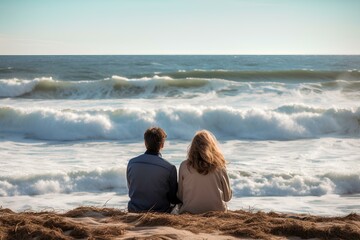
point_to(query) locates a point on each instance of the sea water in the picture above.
(289, 127)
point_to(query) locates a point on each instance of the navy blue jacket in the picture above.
(152, 183)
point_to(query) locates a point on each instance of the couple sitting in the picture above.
(203, 181)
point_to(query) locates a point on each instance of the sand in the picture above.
(109, 223)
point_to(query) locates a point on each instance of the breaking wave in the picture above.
(65, 182)
(243, 184)
(284, 123)
(255, 184)
(115, 87)
(165, 86)
(286, 75)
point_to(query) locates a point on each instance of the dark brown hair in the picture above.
(154, 138)
(204, 153)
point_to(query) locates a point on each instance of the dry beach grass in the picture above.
(108, 223)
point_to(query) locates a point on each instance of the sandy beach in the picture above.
(110, 223)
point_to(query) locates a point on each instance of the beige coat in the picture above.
(202, 193)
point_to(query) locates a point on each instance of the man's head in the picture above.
(154, 139)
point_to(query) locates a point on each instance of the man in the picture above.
(152, 180)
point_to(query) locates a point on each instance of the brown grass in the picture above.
(106, 223)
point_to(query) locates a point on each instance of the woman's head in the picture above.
(204, 154)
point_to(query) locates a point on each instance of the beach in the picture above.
(108, 223)
(277, 83)
(288, 126)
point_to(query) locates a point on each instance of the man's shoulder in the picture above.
(134, 159)
(152, 160)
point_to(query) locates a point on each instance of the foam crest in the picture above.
(158, 83)
(243, 184)
(288, 75)
(15, 87)
(168, 87)
(55, 125)
(256, 184)
(97, 180)
(285, 123)
(114, 87)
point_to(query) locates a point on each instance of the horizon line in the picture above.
(188, 54)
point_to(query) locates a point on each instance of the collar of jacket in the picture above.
(153, 153)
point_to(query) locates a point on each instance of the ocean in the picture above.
(289, 127)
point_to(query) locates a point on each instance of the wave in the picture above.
(163, 86)
(255, 184)
(286, 75)
(115, 87)
(243, 183)
(65, 182)
(287, 122)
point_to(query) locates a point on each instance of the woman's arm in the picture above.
(225, 182)
(180, 185)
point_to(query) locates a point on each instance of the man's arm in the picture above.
(173, 187)
(127, 176)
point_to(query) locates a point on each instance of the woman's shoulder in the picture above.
(184, 164)
(221, 170)
(185, 168)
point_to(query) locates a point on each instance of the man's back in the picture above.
(152, 183)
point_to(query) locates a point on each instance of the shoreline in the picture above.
(111, 223)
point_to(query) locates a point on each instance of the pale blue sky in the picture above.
(179, 27)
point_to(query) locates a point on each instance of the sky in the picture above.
(31, 27)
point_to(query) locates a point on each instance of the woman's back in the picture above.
(202, 193)
(203, 181)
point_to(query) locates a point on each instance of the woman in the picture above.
(203, 181)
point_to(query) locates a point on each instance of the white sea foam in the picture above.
(55, 125)
(294, 184)
(251, 184)
(15, 87)
(286, 122)
(97, 180)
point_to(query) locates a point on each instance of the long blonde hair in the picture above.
(204, 153)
